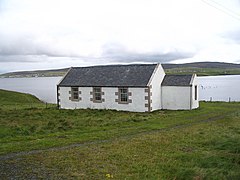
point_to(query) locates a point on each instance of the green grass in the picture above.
(16, 100)
(204, 151)
(138, 146)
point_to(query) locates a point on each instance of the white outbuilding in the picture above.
(135, 87)
(180, 92)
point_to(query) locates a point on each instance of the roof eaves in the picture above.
(103, 86)
(178, 85)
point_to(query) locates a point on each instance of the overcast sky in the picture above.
(46, 34)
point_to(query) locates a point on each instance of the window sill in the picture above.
(120, 102)
(75, 100)
(97, 101)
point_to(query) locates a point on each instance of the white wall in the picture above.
(137, 105)
(176, 97)
(195, 103)
(155, 83)
(180, 97)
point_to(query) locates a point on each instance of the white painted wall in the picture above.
(155, 83)
(137, 105)
(176, 97)
(195, 103)
(180, 97)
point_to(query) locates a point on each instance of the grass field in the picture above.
(43, 142)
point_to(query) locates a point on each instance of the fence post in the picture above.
(210, 99)
(229, 99)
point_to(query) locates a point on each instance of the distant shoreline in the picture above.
(199, 68)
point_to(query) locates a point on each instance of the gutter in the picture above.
(58, 105)
(161, 97)
(191, 97)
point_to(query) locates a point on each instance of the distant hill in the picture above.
(202, 65)
(203, 68)
(38, 73)
(200, 68)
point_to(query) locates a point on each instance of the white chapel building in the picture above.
(135, 87)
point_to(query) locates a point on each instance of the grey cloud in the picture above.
(118, 52)
(27, 49)
(21, 58)
(29, 46)
(23, 45)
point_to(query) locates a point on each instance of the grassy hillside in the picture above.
(203, 71)
(219, 65)
(39, 73)
(203, 68)
(10, 100)
(200, 68)
(11, 97)
(98, 144)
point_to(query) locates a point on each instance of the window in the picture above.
(97, 94)
(123, 95)
(195, 87)
(75, 94)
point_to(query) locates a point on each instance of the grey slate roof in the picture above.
(135, 75)
(177, 80)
